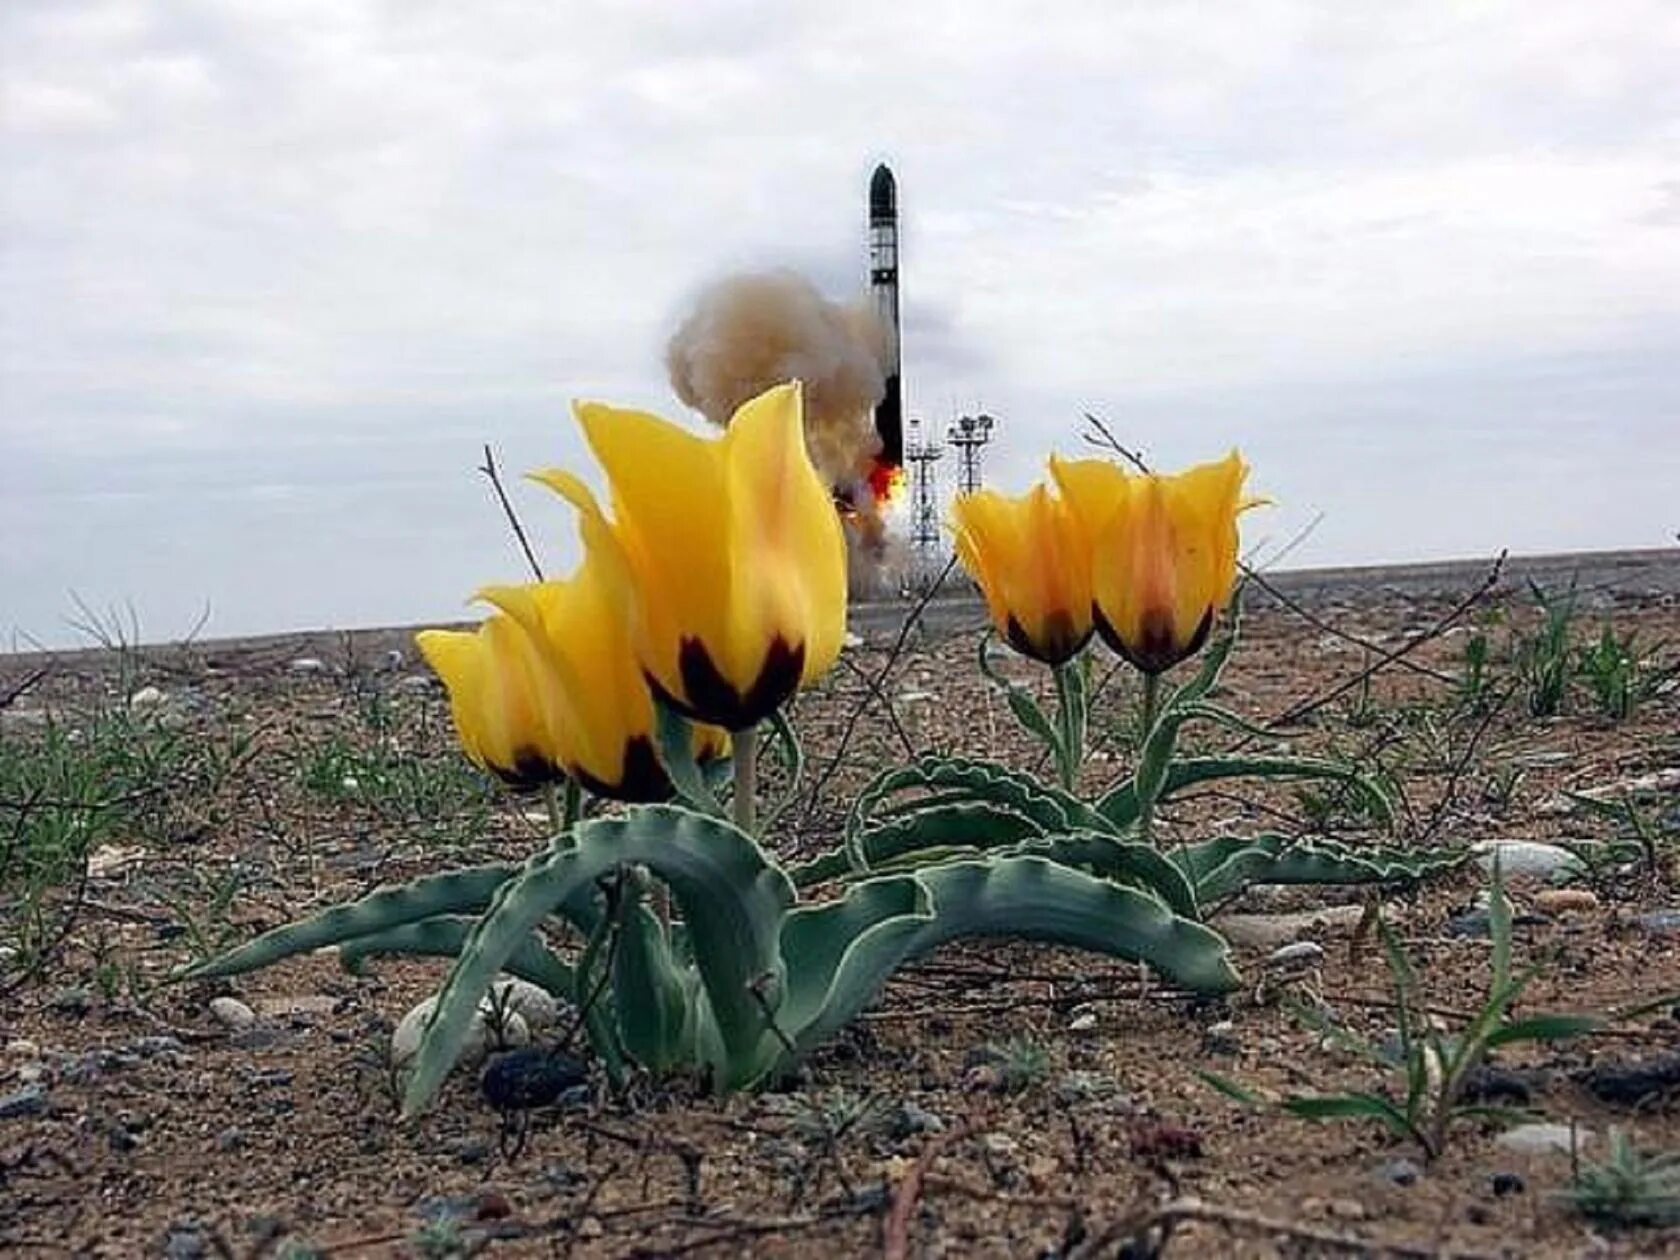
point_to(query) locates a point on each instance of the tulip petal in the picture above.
(668, 492)
(790, 584)
(1030, 557)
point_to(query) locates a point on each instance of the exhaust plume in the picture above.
(747, 333)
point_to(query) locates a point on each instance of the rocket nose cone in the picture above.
(883, 194)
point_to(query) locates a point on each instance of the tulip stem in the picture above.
(746, 779)
(565, 810)
(1151, 710)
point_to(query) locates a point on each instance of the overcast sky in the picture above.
(272, 270)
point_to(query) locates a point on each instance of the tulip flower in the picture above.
(727, 552)
(1032, 562)
(605, 722)
(501, 699)
(1163, 552)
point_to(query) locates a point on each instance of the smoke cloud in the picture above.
(749, 332)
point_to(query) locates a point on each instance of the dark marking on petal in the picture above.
(710, 697)
(1060, 641)
(1155, 651)
(642, 780)
(530, 770)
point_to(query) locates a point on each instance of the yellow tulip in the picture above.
(727, 551)
(547, 687)
(501, 699)
(1032, 562)
(1163, 552)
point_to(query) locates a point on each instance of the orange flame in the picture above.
(886, 481)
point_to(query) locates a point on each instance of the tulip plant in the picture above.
(1147, 562)
(709, 593)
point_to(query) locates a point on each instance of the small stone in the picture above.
(852, 640)
(111, 860)
(31, 1100)
(1221, 1038)
(1000, 1145)
(983, 1076)
(1527, 859)
(916, 697)
(231, 1013)
(1489, 1084)
(1505, 1184)
(308, 665)
(910, 1119)
(231, 1138)
(509, 1030)
(1543, 1139)
(75, 1001)
(1085, 1022)
(185, 1242)
(31, 1073)
(1346, 1209)
(1635, 1082)
(289, 1007)
(1659, 922)
(590, 1227)
(393, 660)
(1566, 900)
(1399, 1172)
(473, 1150)
(1297, 954)
(524, 1079)
(146, 698)
(23, 1048)
(534, 1004)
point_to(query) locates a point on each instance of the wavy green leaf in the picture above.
(969, 822)
(732, 900)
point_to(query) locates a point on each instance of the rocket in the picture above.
(883, 284)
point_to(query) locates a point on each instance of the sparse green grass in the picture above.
(100, 772)
(1432, 1064)
(374, 761)
(1620, 672)
(1628, 1188)
(1021, 1062)
(1543, 656)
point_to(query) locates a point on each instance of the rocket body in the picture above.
(883, 283)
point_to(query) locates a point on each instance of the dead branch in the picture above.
(488, 468)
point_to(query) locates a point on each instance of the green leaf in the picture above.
(969, 822)
(1354, 1104)
(674, 733)
(466, 891)
(649, 994)
(1047, 807)
(732, 900)
(1120, 805)
(1214, 660)
(1026, 710)
(1230, 1088)
(442, 937)
(1225, 865)
(1544, 1028)
(1025, 897)
(1126, 861)
(854, 942)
